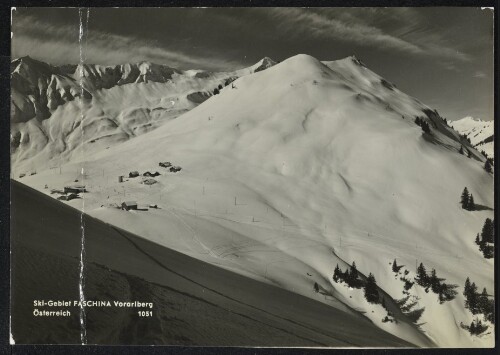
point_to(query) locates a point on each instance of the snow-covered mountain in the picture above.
(478, 131)
(291, 171)
(50, 124)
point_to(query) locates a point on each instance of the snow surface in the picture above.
(480, 133)
(298, 168)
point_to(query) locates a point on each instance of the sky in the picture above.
(442, 56)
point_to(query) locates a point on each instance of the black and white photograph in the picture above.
(292, 177)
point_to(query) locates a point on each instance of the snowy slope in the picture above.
(50, 125)
(298, 168)
(480, 133)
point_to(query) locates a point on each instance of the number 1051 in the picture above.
(145, 313)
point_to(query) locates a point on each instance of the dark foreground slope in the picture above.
(194, 303)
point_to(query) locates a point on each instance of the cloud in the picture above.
(403, 30)
(60, 45)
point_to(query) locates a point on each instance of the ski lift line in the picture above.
(265, 224)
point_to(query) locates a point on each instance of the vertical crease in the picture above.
(82, 39)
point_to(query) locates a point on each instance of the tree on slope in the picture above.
(464, 199)
(471, 299)
(425, 127)
(353, 277)
(487, 166)
(371, 291)
(422, 278)
(487, 233)
(395, 266)
(316, 287)
(471, 206)
(467, 287)
(337, 273)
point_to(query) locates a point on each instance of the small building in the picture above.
(155, 174)
(68, 197)
(129, 205)
(165, 164)
(22, 175)
(133, 174)
(149, 181)
(74, 189)
(175, 169)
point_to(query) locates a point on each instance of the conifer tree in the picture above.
(336, 273)
(425, 127)
(394, 266)
(471, 301)
(472, 328)
(483, 302)
(467, 287)
(487, 166)
(316, 287)
(461, 151)
(371, 291)
(487, 233)
(434, 281)
(464, 200)
(417, 121)
(478, 240)
(422, 278)
(353, 277)
(471, 206)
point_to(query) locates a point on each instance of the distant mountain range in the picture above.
(50, 124)
(481, 133)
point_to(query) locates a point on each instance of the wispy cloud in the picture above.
(59, 45)
(359, 26)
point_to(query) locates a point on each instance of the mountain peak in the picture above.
(263, 64)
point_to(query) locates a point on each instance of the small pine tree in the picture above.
(346, 275)
(434, 281)
(316, 287)
(422, 278)
(336, 273)
(464, 199)
(395, 266)
(467, 287)
(371, 291)
(353, 277)
(487, 234)
(483, 301)
(417, 121)
(216, 91)
(472, 328)
(488, 251)
(472, 299)
(425, 127)
(471, 206)
(461, 151)
(220, 87)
